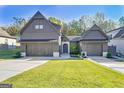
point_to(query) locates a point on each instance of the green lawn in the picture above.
(8, 54)
(68, 73)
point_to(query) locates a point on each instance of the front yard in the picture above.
(68, 73)
(8, 54)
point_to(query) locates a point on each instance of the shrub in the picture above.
(82, 54)
(109, 55)
(74, 48)
(18, 55)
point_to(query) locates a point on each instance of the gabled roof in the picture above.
(38, 15)
(120, 33)
(93, 28)
(3, 33)
(73, 38)
(58, 27)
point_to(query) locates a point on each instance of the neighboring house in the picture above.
(116, 38)
(40, 37)
(6, 41)
(94, 41)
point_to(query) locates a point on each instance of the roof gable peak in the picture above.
(95, 27)
(38, 15)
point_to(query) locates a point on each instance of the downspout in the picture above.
(60, 40)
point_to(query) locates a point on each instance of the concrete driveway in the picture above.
(11, 68)
(112, 64)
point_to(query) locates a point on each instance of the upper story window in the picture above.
(38, 26)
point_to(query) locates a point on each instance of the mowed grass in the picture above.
(68, 74)
(8, 54)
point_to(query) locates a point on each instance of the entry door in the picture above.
(65, 48)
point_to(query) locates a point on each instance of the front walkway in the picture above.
(11, 68)
(115, 65)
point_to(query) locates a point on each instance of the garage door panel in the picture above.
(94, 49)
(41, 49)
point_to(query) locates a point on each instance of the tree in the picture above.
(16, 26)
(99, 18)
(12, 30)
(65, 28)
(104, 23)
(74, 28)
(121, 21)
(85, 22)
(54, 20)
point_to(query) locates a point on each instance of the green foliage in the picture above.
(104, 23)
(12, 30)
(121, 21)
(68, 74)
(16, 26)
(65, 29)
(8, 54)
(54, 20)
(17, 55)
(76, 27)
(73, 48)
(109, 55)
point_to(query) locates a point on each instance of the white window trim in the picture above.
(38, 27)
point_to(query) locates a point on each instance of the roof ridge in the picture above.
(38, 12)
(4, 33)
(116, 29)
(121, 36)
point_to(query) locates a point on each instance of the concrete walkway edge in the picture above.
(91, 60)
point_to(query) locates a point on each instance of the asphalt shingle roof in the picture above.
(73, 38)
(3, 33)
(120, 33)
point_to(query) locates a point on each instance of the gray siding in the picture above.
(94, 35)
(48, 31)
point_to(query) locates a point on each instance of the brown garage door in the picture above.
(41, 49)
(94, 49)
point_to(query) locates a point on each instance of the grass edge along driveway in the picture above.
(68, 74)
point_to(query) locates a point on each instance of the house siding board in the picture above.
(94, 35)
(119, 43)
(23, 47)
(7, 43)
(47, 32)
